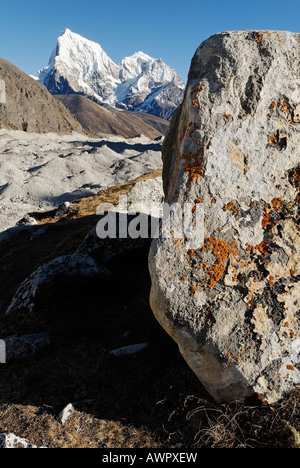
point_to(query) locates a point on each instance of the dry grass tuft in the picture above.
(242, 426)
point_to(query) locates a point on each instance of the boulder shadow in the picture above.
(87, 320)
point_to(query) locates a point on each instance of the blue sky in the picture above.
(169, 29)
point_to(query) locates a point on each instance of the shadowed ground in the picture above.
(150, 399)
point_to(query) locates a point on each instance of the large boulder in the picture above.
(72, 266)
(231, 302)
(22, 347)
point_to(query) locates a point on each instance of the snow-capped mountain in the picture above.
(138, 83)
(80, 66)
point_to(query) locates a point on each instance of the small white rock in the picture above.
(12, 441)
(66, 413)
(63, 209)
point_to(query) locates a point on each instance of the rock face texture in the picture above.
(26, 105)
(232, 302)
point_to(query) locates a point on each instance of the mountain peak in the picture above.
(141, 55)
(68, 34)
(72, 40)
(80, 66)
(66, 31)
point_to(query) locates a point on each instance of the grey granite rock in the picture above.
(232, 302)
(22, 347)
(67, 265)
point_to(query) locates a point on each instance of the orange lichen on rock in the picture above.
(290, 367)
(232, 205)
(261, 248)
(277, 206)
(197, 91)
(194, 166)
(221, 250)
(283, 105)
(266, 220)
(272, 139)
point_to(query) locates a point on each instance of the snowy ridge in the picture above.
(139, 83)
(80, 65)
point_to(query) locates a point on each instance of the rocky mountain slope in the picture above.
(139, 83)
(26, 105)
(96, 119)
